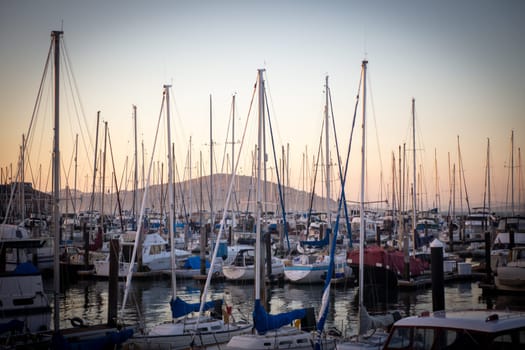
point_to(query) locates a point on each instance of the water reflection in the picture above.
(149, 301)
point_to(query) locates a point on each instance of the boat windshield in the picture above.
(425, 338)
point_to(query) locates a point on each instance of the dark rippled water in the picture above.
(149, 300)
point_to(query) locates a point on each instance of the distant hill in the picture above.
(191, 195)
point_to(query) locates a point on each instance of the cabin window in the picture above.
(423, 338)
(23, 301)
(155, 249)
(216, 328)
(303, 341)
(285, 343)
(514, 340)
(400, 338)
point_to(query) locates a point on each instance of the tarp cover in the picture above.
(265, 322)
(181, 308)
(194, 263)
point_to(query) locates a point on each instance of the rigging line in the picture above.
(141, 216)
(343, 177)
(226, 141)
(421, 148)
(462, 174)
(281, 200)
(24, 146)
(221, 229)
(314, 180)
(328, 91)
(183, 203)
(75, 88)
(270, 99)
(370, 91)
(178, 119)
(116, 183)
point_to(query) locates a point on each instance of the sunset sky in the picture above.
(462, 61)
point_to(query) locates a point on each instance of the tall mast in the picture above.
(233, 152)
(56, 181)
(136, 176)
(22, 180)
(362, 201)
(512, 171)
(75, 180)
(170, 194)
(190, 195)
(103, 177)
(327, 154)
(488, 175)
(258, 253)
(438, 196)
(212, 219)
(414, 188)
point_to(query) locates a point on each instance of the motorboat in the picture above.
(459, 329)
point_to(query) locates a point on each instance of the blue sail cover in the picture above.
(109, 340)
(265, 322)
(194, 263)
(13, 325)
(25, 268)
(181, 308)
(323, 242)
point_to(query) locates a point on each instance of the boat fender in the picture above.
(77, 322)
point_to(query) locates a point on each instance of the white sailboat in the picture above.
(242, 268)
(366, 322)
(155, 256)
(271, 331)
(24, 303)
(313, 268)
(183, 329)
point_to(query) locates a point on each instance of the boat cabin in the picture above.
(474, 329)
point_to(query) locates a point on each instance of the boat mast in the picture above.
(56, 181)
(362, 202)
(212, 219)
(75, 182)
(488, 176)
(170, 194)
(233, 154)
(327, 155)
(414, 200)
(512, 172)
(136, 176)
(190, 194)
(103, 177)
(259, 271)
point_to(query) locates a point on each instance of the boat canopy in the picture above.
(264, 322)
(194, 262)
(321, 243)
(181, 308)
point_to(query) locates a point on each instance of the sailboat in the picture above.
(96, 336)
(313, 268)
(271, 331)
(183, 329)
(366, 323)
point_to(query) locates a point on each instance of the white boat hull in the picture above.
(286, 337)
(180, 335)
(313, 269)
(247, 273)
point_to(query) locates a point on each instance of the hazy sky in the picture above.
(462, 61)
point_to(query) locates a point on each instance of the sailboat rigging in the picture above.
(182, 329)
(271, 331)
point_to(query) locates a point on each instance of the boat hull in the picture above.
(178, 336)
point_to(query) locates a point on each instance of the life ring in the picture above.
(77, 322)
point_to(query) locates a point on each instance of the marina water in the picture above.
(149, 300)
